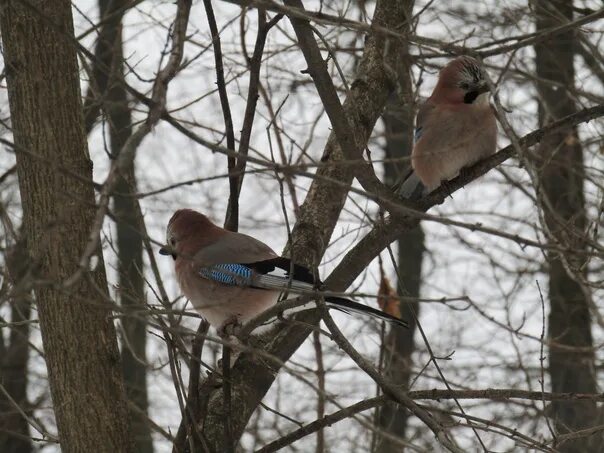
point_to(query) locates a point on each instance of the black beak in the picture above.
(168, 251)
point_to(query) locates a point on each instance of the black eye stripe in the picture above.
(470, 97)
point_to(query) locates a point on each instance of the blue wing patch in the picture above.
(418, 133)
(228, 274)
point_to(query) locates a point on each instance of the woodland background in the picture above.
(292, 125)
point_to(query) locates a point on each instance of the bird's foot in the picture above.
(231, 327)
(229, 331)
(465, 173)
(447, 187)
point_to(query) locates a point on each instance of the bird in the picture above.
(455, 128)
(231, 277)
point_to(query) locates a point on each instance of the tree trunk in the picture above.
(108, 93)
(561, 173)
(251, 377)
(399, 344)
(55, 181)
(14, 429)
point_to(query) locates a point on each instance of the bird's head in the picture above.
(462, 80)
(185, 233)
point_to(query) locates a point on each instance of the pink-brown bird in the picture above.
(231, 277)
(455, 127)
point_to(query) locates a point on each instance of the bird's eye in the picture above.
(172, 242)
(464, 85)
(470, 97)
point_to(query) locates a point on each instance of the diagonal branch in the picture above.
(320, 17)
(389, 389)
(434, 394)
(351, 146)
(252, 377)
(406, 217)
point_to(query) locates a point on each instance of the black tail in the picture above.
(304, 279)
(348, 306)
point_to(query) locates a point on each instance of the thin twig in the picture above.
(255, 64)
(7, 173)
(30, 420)
(433, 358)
(388, 388)
(188, 428)
(447, 48)
(128, 151)
(322, 422)
(541, 362)
(320, 372)
(232, 214)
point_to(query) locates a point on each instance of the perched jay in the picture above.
(231, 277)
(455, 127)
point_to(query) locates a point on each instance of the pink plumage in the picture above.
(197, 243)
(231, 277)
(455, 127)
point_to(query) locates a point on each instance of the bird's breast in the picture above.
(456, 136)
(219, 303)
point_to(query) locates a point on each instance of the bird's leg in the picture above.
(231, 327)
(464, 173)
(447, 187)
(228, 332)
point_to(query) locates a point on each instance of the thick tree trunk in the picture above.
(561, 174)
(399, 344)
(14, 429)
(131, 282)
(108, 93)
(55, 181)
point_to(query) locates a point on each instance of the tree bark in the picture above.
(561, 174)
(398, 343)
(252, 377)
(55, 182)
(108, 93)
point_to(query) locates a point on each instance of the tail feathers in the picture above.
(348, 306)
(412, 188)
(339, 303)
(281, 284)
